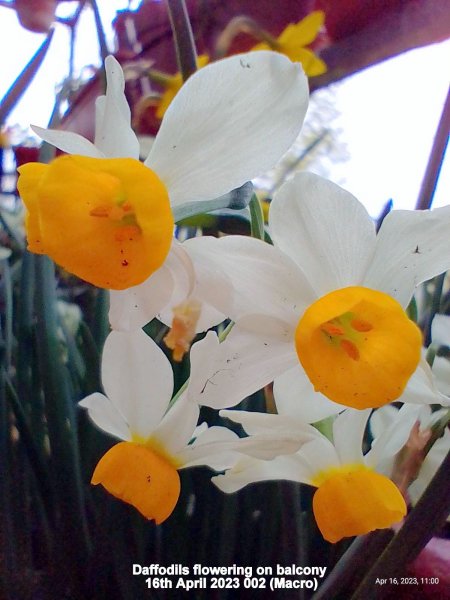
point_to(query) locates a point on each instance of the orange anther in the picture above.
(332, 329)
(100, 211)
(361, 325)
(127, 233)
(350, 349)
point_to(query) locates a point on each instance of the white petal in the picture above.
(441, 372)
(106, 416)
(213, 448)
(244, 363)
(245, 275)
(318, 455)
(394, 437)
(113, 135)
(267, 446)
(229, 123)
(412, 246)
(348, 433)
(429, 467)
(134, 307)
(324, 229)
(251, 470)
(137, 378)
(422, 387)
(381, 419)
(255, 423)
(67, 141)
(440, 330)
(178, 425)
(295, 396)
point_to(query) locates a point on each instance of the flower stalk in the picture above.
(423, 522)
(183, 38)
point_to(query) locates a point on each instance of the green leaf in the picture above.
(237, 199)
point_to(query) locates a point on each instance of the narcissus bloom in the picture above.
(352, 498)
(327, 300)
(292, 41)
(106, 217)
(159, 439)
(142, 469)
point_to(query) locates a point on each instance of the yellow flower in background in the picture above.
(173, 84)
(293, 39)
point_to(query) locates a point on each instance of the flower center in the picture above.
(358, 347)
(107, 221)
(353, 500)
(140, 476)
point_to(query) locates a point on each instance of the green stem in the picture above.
(256, 218)
(353, 564)
(183, 37)
(431, 176)
(103, 45)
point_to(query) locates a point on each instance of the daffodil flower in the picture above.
(106, 217)
(352, 498)
(292, 41)
(158, 438)
(327, 300)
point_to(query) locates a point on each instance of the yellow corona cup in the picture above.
(108, 221)
(355, 500)
(140, 476)
(358, 347)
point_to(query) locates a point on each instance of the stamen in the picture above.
(350, 349)
(332, 329)
(128, 232)
(185, 318)
(100, 211)
(361, 325)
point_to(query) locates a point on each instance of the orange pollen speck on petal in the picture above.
(182, 332)
(141, 476)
